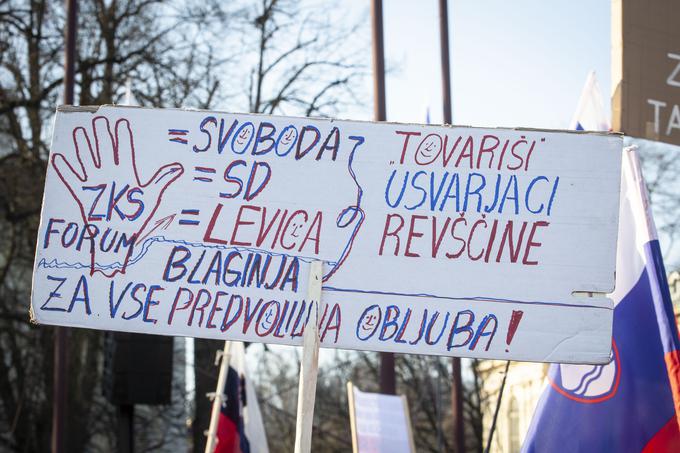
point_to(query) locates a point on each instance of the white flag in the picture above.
(590, 113)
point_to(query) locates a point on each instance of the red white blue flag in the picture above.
(631, 404)
(240, 428)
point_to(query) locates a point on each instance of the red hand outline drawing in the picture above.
(112, 157)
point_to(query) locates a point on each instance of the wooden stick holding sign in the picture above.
(219, 398)
(352, 417)
(309, 366)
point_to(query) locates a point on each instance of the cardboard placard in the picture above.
(646, 69)
(463, 241)
(379, 422)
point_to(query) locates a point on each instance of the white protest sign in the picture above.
(380, 423)
(494, 243)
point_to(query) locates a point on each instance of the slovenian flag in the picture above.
(632, 403)
(240, 428)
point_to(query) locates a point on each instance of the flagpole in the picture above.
(60, 367)
(457, 382)
(218, 399)
(498, 407)
(444, 51)
(387, 377)
(379, 104)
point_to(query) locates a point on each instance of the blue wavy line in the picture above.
(148, 242)
(588, 379)
(355, 210)
(162, 239)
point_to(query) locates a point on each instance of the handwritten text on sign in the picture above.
(435, 240)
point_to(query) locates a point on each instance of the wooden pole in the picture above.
(219, 399)
(309, 367)
(387, 377)
(444, 51)
(457, 382)
(60, 367)
(457, 406)
(352, 417)
(70, 53)
(379, 105)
